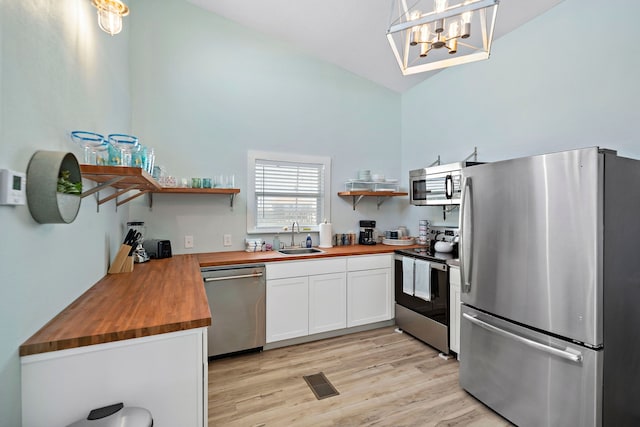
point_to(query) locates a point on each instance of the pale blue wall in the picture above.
(206, 90)
(567, 79)
(58, 72)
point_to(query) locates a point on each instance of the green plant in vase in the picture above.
(66, 186)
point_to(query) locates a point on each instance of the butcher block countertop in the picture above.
(158, 297)
(242, 257)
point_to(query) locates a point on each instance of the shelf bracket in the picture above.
(128, 199)
(101, 186)
(232, 196)
(116, 194)
(356, 200)
(381, 200)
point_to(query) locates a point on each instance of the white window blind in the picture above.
(287, 192)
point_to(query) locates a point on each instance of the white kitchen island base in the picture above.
(165, 374)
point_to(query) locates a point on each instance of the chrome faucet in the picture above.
(293, 227)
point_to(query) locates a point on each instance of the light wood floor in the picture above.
(384, 378)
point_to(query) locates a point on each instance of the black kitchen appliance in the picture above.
(425, 315)
(367, 232)
(157, 248)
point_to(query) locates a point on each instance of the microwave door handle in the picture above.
(466, 235)
(448, 187)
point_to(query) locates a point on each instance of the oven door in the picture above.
(438, 308)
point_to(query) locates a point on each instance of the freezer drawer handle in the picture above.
(569, 355)
(241, 276)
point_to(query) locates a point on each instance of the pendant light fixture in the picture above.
(432, 34)
(110, 13)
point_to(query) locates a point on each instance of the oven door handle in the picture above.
(568, 353)
(466, 235)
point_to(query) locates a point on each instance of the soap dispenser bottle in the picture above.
(308, 240)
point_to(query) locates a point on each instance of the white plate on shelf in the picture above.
(399, 242)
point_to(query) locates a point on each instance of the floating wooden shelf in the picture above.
(125, 179)
(381, 196)
(181, 190)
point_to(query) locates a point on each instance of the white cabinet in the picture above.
(329, 294)
(166, 374)
(305, 297)
(287, 308)
(369, 289)
(454, 312)
(327, 302)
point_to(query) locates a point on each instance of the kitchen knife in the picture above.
(128, 237)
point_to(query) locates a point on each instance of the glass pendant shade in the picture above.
(110, 13)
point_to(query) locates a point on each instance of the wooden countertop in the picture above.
(242, 257)
(159, 296)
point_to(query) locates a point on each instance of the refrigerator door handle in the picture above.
(568, 353)
(466, 235)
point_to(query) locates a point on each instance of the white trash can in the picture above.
(116, 416)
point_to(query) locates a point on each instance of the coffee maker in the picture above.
(367, 235)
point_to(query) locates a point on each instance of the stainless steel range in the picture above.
(422, 295)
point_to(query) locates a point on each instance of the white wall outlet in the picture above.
(188, 242)
(226, 240)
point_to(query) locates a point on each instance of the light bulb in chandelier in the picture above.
(415, 31)
(465, 31)
(439, 6)
(453, 38)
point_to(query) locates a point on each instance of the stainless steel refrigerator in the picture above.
(550, 266)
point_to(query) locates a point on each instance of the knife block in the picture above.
(122, 263)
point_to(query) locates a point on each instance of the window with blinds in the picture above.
(287, 190)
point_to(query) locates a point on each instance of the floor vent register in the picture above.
(320, 386)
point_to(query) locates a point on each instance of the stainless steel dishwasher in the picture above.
(237, 295)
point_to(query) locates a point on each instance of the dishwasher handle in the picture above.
(240, 276)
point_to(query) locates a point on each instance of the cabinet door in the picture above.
(327, 302)
(369, 296)
(287, 308)
(454, 312)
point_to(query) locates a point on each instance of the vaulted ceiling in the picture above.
(350, 33)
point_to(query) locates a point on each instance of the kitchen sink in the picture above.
(300, 251)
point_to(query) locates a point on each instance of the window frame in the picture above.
(253, 156)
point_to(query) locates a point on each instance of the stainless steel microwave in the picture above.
(437, 185)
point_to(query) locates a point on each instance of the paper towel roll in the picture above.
(325, 235)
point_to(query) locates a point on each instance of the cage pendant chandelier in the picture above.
(427, 35)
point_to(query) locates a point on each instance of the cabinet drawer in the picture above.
(279, 270)
(368, 262)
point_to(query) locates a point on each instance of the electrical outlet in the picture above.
(226, 240)
(188, 242)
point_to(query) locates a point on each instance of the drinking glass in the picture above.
(125, 145)
(90, 143)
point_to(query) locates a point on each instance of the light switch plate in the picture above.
(226, 240)
(188, 242)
